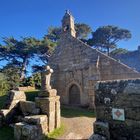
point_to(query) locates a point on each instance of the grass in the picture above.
(57, 132)
(6, 133)
(2, 100)
(30, 95)
(76, 112)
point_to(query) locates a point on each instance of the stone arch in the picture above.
(74, 93)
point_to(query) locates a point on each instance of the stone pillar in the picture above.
(47, 106)
(48, 101)
(57, 112)
(51, 107)
(91, 94)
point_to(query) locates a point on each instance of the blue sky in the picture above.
(33, 17)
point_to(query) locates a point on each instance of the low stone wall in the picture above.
(32, 120)
(118, 110)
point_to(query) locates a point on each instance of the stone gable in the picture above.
(78, 65)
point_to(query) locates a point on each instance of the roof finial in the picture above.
(68, 12)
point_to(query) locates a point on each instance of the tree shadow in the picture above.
(70, 112)
(7, 133)
(2, 100)
(30, 95)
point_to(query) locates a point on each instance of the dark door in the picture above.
(74, 95)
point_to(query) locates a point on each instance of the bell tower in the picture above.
(68, 24)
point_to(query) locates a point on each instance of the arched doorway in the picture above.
(74, 95)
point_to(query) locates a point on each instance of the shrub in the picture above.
(4, 86)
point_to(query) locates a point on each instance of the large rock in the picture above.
(33, 128)
(102, 128)
(11, 108)
(40, 120)
(23, 131)
(29, 108)
(13, 98)
(7, 115)
(97, 137)
(35, 119)
(4, 112)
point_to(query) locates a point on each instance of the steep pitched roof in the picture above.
(101, 53)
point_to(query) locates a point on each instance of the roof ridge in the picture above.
(106, 55)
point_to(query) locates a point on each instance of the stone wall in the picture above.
(76, 63)
(72, 66)
(32, 120)
(111, 69)
(117, 110)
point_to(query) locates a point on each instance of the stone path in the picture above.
(77, 128)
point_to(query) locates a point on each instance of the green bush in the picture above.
(33, 81)
(4, 86)
(37, 80)
(12, 76)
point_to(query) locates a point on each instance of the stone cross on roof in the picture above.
(68, 12)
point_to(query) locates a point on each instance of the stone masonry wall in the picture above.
(72, 65)
(111, 69)
(74, 62)
(117, 110)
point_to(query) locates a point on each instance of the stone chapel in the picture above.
(77, 67)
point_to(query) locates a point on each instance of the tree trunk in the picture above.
(23, 69)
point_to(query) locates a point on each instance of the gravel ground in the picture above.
(77, 128)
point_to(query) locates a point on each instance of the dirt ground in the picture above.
(77, 128)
